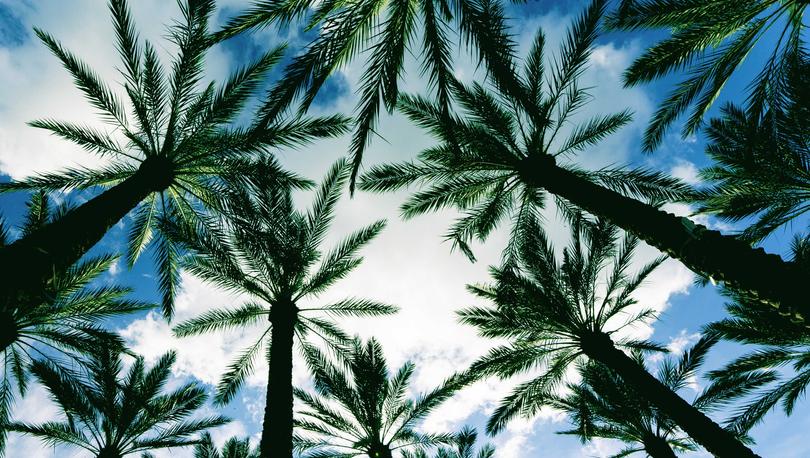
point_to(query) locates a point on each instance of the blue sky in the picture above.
(408, 265)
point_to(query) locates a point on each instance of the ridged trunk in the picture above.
(30, 262)
(708, 252)
(9, 331)
(277, 429)
(657, 447)
(702, 429)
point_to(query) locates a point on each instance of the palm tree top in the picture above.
(709, 40)
(273, 253)
(112, 412)
(497, 138)
(173, 130)
(551, 311)
(362, 408)
(234, 447)
(464, 447)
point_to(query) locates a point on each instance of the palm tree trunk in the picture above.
(718, 441)
(277, 430)
(702, 250)
(30, 262)
(657, 447)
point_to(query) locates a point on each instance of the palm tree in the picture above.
(383, 32)
(780, 343)
(362, 409)
(271, 254)
(67, 323)
(762, 161)
(557, 314)
(501, 150)
(709, 40)
(179, 147)
(464, 448)
(602, 405)
(233, 448)
(111, 414)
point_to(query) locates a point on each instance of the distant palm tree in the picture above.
(111, 414)
(361, 409)
(501, 152)
(66, 324)
(383, 33)
(780, 342)
(709, 40)
(233, 448)
(180, 147)
(271, 254)
(604, 406)
(464, 448)
(557, 314)
(762, 160)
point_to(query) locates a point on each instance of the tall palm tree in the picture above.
(271, 253)
(780, 343)
(233, 448)
(464, 448)
(383, 33)
(180, 145)
(362, 409)
(762, 160)
(709, 40)
(112, 414)
(66, 324)
(602, 405)
(502, 150)
(554, 315)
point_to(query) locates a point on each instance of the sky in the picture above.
(408, 265)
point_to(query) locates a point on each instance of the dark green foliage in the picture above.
(68, 324)
(361, 408)
(494, 140)
(179, 138)
(762, 160)
(546, 309)
(382, 33)
(233, 448)
(709, 40)
(464, 447)
(111, 412)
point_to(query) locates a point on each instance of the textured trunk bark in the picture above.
(701, 428)
(9, 331)
(277, 430)
(29, 263)
(658, 447)
(704, 251)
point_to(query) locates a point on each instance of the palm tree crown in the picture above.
(383, 32)
(233, 448)
(68, 323)
(112, 414)
(709, 40)
(272, 253)
(363, 409)
(180, 145)
(549, 312)
(762, 160)
(482, 165)
(464, 448)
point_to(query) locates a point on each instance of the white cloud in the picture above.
(686, 171)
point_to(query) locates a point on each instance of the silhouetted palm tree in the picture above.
(272, 254)
(780, 342)
(383, 33)
(604, 406)
(362, 409)
(233, 448)
(464, 448)
(556, 314)
(709, 40)
(762, 160)
(500, 152)
(179, 147)
(67, 323)
(112, 414)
